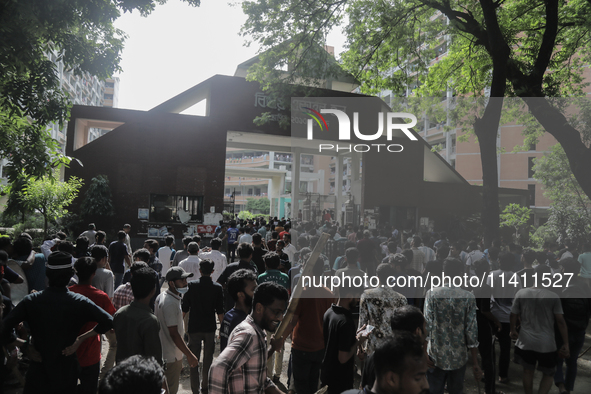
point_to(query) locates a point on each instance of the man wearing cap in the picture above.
(205, 300)
(55, 317)
(168, 311)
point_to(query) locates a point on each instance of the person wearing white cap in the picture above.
(168, 311)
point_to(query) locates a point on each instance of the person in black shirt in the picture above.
(245, 252)
(55, 317)
(204, 300)
(341, 341)
(401, 367)
(258, 252)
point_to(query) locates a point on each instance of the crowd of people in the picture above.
(157, 306)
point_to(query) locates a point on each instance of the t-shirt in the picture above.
(585, 260)
(275, 276)
(231, 319)
(257, 258)
(165, 255)
(89, 352)
(245, 238)
(168, 311)
(536, 308)
(117, 252)
(103, 280)
(339, 335)
(307, 334)
(233, 235)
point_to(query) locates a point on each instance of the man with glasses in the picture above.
(241, 367)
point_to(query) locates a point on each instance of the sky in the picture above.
(178, 46)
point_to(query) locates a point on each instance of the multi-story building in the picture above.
(83, 90)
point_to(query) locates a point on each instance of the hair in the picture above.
(442, 251)
(257, 238)
(392, 354)
(287, 236)
(303, 242)
(59, 277)
(272, 260)
(266, 294)
(542, 269)
(22, 246)
(473, 245)
(127, 225)
(206, 266)
(245, 250)
(187, 241)
(100, 236)
(274, 235)
(121, 235)
(143, 281)
(3, 256)
(65, 246)
(169, 240)
(142, 254)
(237, 282)
(570, 266)
(61, 235)
(481, 267)
(407, 318)
(137, 265)
(506, 261)
(153, 245)
(384, 271)
(493, 253)
(85, 267)
(398, 259)
(136, 374)
(99, 252)
(215, 244)
(193, 248)
(529, 256)
(280, 242)
(352, 255)
(453, 267)
(82, 242)
(392, 247)
(408, 254)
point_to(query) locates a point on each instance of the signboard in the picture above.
(143, 213)
(205, 229)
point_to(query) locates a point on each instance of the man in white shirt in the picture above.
(219, 259)
(170, 316)
(191, 263)
(245, 236)
(473, 256)
(166, 254)
(289, 249)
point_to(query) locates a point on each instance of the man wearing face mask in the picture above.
(168, 311)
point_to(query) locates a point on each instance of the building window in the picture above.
(250, 192)
(532, 194)
(530, 167)
(165, 208)
(108, 97)
(109, 84)
(532, 146)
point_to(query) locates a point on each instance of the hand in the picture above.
(514, 334)
(361, 338)
(276, 343)
(193, 361)
(361, 354)
(34, 355)
(564, 351)
(72, 348)
(498, 325)
(477, 372)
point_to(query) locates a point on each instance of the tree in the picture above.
(260, 205)
(50, 197)
(523, 48)
(97, 200)
(570, 209)
(79, 32)
(515, 216)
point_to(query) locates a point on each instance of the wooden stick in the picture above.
(297, 291)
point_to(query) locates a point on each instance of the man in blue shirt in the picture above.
(232, 240)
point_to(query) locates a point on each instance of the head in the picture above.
(352, 256)
(169, 240)
(241, 285)
(287, 238)
(85, 269)
(271, 260)
(245, 251)
(455, 250)
(127, 228)
(528, 257)
(570, 266)
(398, 262)
(152, 245)
(481, 267)
(177, 280)
(257, 239)
(506, 261)
(187, 241)
(143, 283)
(410, 319)
(59, 269)
(493, 253)
(274, 235)
(280, 246)
(453, 267)
(215, 244)
(22, 246)
(136, 374)
(99, 237)
(442, 252)
(121, 235)
(416, 242)
(141, 255)
(269, 305)
(100, 254)
(401, 366)
(384, 271)
(206, 267)
(392, 247)
(193, 248)
(303, 242)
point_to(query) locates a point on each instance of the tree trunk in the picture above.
(555, 123)
(44, 226)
